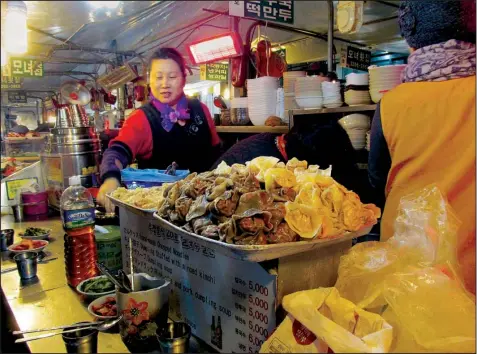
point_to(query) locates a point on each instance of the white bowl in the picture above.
(355, 120)
(357, 79)
(90, 295)
(38, 249)
(309, 102)
(44, 236)
(98, 302)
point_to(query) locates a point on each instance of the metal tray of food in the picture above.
(131, 207)
(260, 253)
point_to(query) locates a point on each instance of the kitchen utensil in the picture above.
(149, 305)
(63, 118)
(26, 264)
(18, 212)
(75, 93)
(103, 269)
(78, 116)
(174, 337)
(131, 264)
(79, 333)
(125, 280)
(219, 102)
(71, 326)
(39, 261)
(6, 239)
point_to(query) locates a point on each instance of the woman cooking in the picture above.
(169, 128)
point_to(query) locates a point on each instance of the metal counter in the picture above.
(50, 302)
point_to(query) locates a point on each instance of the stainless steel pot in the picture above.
(63, 118)
(78, 116)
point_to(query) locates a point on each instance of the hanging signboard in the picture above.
(9, 82)
(276, 11)
(355, 58)
(214, 72)
(22, 67)
(17, 97)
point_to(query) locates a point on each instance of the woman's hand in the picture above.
(109, 185)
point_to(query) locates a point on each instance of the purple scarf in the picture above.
(169, 115)
(440, 62)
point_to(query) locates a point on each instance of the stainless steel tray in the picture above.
(259, 253)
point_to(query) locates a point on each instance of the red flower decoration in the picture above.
(136, 312)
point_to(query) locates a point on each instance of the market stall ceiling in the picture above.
(143, 26)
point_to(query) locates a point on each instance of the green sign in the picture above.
(22, 67)
(214, 72)
(9, 82)
(277, 11)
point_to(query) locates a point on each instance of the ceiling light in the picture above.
(104, 4)
(216, 48)
(15, 35)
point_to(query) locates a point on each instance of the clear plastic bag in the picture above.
(411, 279)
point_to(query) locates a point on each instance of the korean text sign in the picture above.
(357, 58)
(277, 11)
(214, 72)
(21, 67)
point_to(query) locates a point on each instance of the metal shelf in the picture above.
(252, 129)
(343, 109)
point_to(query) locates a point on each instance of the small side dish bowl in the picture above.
(95, 287)
(106, 304)
(40, 236)
(22, 247)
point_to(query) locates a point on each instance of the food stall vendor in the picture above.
(169, 128)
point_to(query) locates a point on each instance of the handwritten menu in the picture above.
(228, 303)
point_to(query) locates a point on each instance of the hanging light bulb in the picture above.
(15, 35)
(4, 57)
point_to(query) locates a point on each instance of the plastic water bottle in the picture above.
(77, 213)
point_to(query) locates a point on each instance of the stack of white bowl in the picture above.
(383, 79)
(308, 92)
(289, 78)
(356, 125)
(354, 97)
(331, 94)
(262, 98)
(368, 140)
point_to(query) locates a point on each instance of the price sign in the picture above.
(214, 72)
(230, 304)
(21, 67)
(276, 11)
(355, 58)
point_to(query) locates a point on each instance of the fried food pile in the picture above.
(144, 198)
(264, 202)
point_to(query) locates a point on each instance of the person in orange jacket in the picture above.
(423, 131)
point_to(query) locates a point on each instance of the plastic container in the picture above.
(133, 178)
(78, 215)
(35, 203)
(108, 245)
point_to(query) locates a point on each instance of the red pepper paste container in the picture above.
(35, 203)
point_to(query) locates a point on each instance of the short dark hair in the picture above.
(324, 145)
(169, 53)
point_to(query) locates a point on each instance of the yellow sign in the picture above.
(21, 67)
(15, 185)
(214, 72)
(9, 82)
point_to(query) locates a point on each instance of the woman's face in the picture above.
(166, 80)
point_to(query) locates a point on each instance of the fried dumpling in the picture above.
(303, 219)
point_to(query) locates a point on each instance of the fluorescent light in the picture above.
(15, 35)
(104, 4)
